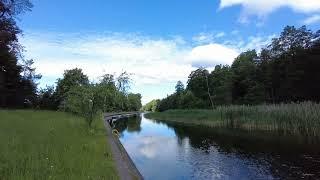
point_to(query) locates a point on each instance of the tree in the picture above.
(10, 8)
(123, 82)
(71, 78)
(29, 81)
(134, 101)
(151, 106)
(170, 102)
(190, 101)
(108, 79)
(221, 85)
(291, 41)
(198, 84)
(84, 100)
(91, 99)
(9, 77)
(244, 82)
(47, 99)
(15, 90)
(285, 70)
(286, 66)
(179, 87)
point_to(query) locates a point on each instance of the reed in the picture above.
(293, 118)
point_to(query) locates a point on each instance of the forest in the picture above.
(72, 93)
(284, 71)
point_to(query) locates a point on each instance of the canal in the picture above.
(163, 150)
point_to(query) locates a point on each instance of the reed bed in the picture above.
(292, 119)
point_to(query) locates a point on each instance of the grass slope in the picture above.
(52, 145)
(298, 119)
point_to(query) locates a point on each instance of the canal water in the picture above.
(166, 151)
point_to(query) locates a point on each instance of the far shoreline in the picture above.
(297, 119)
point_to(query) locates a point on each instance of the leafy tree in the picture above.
(29, 82)
(221, 85)
(47, 99)
(286, 66)
(244, 80)
(85, 101)
(11, 8)
(179, 87)
(198, 84)
(91, 99)
(108, 79)
(151, 106)
(15, 90)
(170, 102)
(286, 70)
(71, 78)
(9, 77)
(134, 101)
(190, 101)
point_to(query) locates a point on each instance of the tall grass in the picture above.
(52, 145)
(295, 118)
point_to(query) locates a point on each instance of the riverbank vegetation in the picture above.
(284, 71)
(38, 144)
(151, 106)
(74, 93)
(274, 89)
(290, 119)
(52, 145)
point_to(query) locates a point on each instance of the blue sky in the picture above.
(159, 42)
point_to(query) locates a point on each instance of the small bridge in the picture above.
(112, 117)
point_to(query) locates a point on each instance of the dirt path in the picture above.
(124, 165)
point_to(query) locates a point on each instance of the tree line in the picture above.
(72, 93)
(286, 70)
(17, 77)
(151, 106)
(75, 93)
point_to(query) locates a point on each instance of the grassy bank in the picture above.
(296, 118)
(52, 145)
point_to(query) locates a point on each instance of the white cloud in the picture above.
(261, 8)
(149, 147)
(256, 42)
(207, 37)
(211, 54)
(203, 37)
(151, 61)
(312, 19)
(219, 35)
(154, 63)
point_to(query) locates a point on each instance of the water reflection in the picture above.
(132, 124)
(164, 150)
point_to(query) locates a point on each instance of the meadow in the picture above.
(290, 119)
(52, 145)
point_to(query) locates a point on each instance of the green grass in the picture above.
(294, 119)
(52, 145)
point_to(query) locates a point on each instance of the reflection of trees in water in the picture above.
(285, 156)
(120, 125)
(132, 124)
(230, 140)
